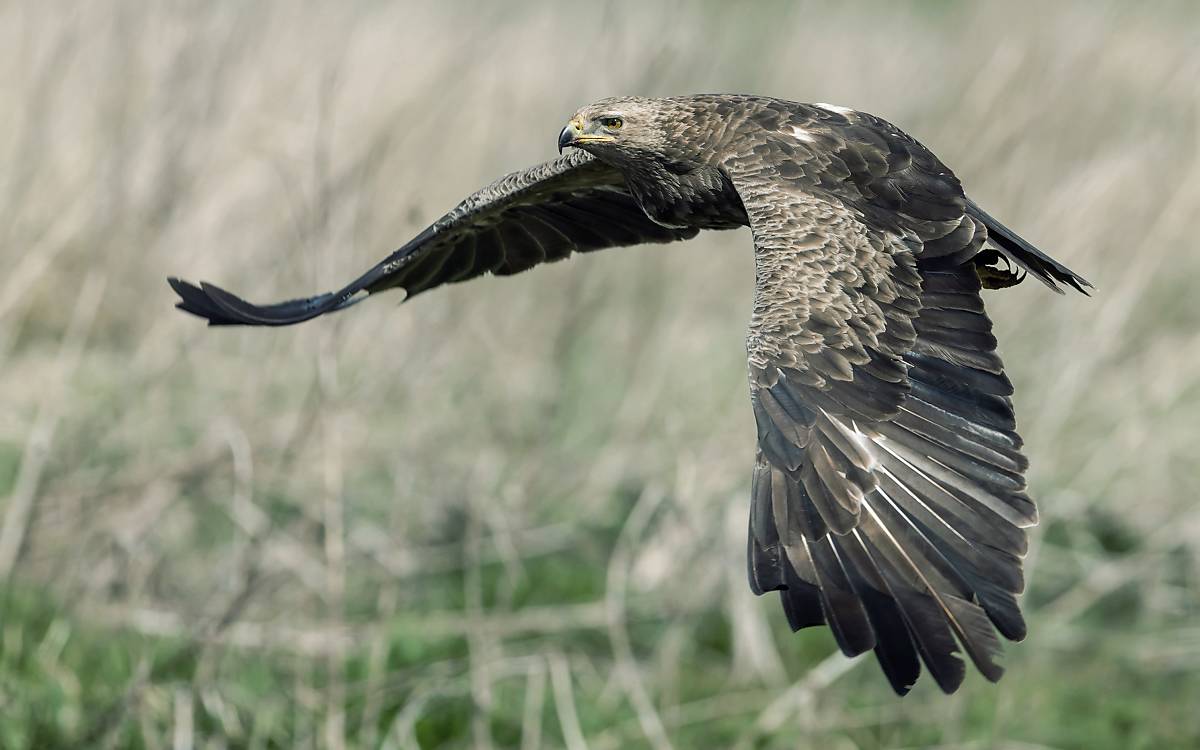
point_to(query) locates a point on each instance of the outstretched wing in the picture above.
(542, 214)
(888, 496)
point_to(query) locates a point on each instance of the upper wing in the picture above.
(888, 496)
(541, 214)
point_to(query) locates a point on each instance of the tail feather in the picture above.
(1046, 269)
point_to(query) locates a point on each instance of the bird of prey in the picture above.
(888, 496)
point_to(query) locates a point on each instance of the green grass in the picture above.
(511, 513)
(64, 679)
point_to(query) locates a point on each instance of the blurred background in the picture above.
(512, 514)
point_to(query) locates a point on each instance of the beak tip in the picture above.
(565, 138)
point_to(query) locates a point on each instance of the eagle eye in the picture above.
(612, 123)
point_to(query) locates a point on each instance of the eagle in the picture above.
(888, 497)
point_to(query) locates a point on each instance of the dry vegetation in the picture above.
(511, 513)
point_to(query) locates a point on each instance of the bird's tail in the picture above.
(1044, 268)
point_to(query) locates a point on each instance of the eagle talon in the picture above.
(998, 278)
(992, 275)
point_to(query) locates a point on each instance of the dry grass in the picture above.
(511, 513)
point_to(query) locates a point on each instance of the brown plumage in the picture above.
(888, 497)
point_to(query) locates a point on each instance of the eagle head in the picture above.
(614, 127)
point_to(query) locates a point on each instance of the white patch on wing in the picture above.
(834, 108)
(662, 223)
(802, 135)
(864, 443)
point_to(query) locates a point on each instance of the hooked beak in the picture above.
(574, 135)
(568, 135)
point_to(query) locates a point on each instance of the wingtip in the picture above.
(222, 308)
(180, 287)
(210, 302)
(194, 301)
